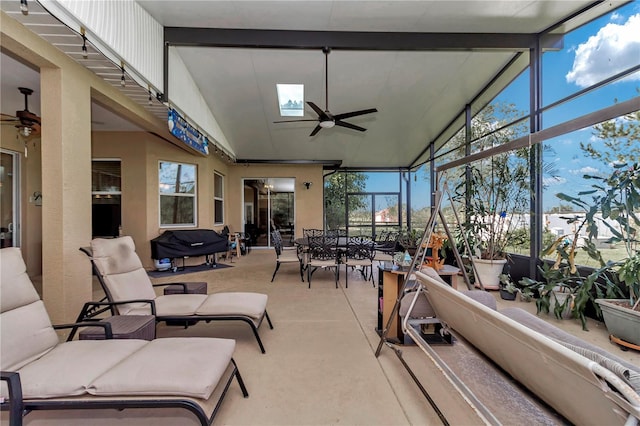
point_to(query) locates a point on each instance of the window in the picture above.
(177, 186)
(218, 199)
(291, 99)
(106, 196)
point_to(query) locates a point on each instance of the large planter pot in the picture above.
(621, 322)
(561, 298)
(489, 272)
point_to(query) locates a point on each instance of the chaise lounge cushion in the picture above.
(26, 329)
(145, 372)
(175, 304)
(69, 368)
(230, 303)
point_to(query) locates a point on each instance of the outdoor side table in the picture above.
(192, 288)
(123, 327)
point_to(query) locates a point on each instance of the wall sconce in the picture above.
(307, 185)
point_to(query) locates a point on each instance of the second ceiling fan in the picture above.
(325, 119)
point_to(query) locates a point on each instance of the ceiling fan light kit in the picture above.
(27, 122)
(325, 119)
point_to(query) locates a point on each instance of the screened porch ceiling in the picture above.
(418, 62)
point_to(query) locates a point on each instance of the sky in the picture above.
(591, 53)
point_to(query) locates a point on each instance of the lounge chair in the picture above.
(39, 373)
(123, 278)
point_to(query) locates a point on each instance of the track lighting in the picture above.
(123, 82)
(85, 53)
(24, 7)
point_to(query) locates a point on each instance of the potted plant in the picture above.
(409, 240)
(615, 205)
(563, 290)
(508, 289)
(495, 192)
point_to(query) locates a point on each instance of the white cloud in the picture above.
(614, 48)
(554, 180)
(587, 170)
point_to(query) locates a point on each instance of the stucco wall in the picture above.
(140, 153)
(308, 202)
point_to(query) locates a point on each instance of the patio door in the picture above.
(268, 204)
(10, 199)
(371, 213)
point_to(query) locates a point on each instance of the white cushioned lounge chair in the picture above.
(39, 373)
(123, 278)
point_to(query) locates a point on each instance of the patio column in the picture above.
(66, 188)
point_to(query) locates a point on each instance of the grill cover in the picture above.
(188, 242)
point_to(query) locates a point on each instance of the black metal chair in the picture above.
(313, 232)
(360, 254)
(292, 255)
(323, 253)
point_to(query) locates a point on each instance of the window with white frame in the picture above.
(218, 198)
(177, 187)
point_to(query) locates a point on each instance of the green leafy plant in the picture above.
(495, 192)
(615, 205)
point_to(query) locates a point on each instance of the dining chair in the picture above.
(360, 254)
(310, 232)
(323, 253)
(286, 255)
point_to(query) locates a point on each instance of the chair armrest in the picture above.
(183, 285)
(89, 311)
(15, 405)
(108, 333)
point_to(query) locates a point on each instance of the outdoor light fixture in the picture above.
(85, 53)
(307, 184)
(123, 82)
(24, 7)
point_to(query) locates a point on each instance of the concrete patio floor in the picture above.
(320, 367)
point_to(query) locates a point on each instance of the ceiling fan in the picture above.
(27, 122)
(325, 119)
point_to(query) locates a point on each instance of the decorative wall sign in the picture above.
(180, 128)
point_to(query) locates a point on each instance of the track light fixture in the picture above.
(123, 81)
(24, 7)
(85, 53)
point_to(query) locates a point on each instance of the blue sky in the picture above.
(591, 53)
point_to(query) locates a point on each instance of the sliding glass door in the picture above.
(10, 199)
(268, 204)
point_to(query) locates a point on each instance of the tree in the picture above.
(336, 187)
(618, 140)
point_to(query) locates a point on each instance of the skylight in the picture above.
(291, 99)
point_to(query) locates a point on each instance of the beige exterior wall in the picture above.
(308, 202)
